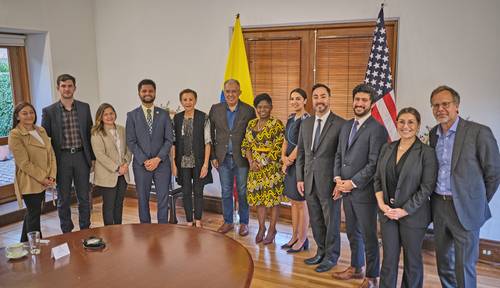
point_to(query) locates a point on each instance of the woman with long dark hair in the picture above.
(111, 165)
(300, 215)
(35, 164)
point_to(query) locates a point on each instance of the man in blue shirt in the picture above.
(228, 123)
(468, 177)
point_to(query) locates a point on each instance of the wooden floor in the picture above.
(273, 266)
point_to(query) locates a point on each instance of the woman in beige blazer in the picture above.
(35, 164)
(111, 165)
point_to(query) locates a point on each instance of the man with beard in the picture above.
(68, 123)
(468, 177)
(317, 145)
(355, 164)
(149, 137)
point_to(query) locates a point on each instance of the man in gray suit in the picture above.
(149, 137)
(468, 177)
(355, 164)
(68, 123)
(228, 122)
(317, 145)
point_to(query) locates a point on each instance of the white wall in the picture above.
(61, 39)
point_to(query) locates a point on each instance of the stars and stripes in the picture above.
(378, 75)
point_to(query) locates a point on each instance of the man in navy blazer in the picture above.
(360, 141)
(149, 137)
(68, 123)
(468, 177)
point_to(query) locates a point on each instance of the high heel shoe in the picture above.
(270, 238)
(304, 247)
(260, 236)
(288, 246)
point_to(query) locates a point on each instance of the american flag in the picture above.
(378, 75)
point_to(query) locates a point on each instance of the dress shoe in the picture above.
(224, 228)
(314, 260)
(288, 246)
(369, 283)
(243, 230)
(269, 237)
(260, 235)
(326, 265)
(305, 246)
(198, 224)
(349, 273)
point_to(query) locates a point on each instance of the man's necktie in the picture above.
(354, 130)
(149, 119)
(316, 136)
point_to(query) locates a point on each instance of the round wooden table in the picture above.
(136, 255)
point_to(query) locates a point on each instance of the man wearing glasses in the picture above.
(468, 177)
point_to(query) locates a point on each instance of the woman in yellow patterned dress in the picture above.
(262, 147)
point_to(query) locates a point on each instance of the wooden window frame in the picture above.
(18, 63)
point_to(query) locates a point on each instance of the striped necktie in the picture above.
(149, 119)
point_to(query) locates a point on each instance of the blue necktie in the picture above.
(354, 130)
(316, 136)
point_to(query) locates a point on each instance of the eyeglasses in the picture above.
(445, 105)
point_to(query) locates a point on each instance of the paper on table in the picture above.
(60, 251)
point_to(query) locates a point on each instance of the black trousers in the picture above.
(112, 201)
(31, 222)
(73, 170)
(395, 236)
(192, 185)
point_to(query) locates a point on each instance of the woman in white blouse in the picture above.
(112, 160)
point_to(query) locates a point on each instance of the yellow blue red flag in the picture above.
(237, 65)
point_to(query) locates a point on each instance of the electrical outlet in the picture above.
(486, 252)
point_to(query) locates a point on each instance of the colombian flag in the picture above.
(237, 65)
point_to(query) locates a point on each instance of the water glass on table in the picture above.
(34, 242)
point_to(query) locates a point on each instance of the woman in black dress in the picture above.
(300, 215)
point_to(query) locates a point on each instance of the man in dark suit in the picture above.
(68, 123)
(355, 164)
(317, 145)
(228, 122)
(468, 177)
(149, 137)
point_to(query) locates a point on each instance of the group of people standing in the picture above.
(318, 162)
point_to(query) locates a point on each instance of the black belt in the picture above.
(72, 150)
(391, 202)
(442, 197)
